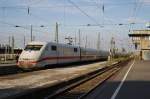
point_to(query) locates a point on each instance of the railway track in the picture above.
(76, 88)
(80, 91)
(12, 70)
(8, 70)
(82, 88)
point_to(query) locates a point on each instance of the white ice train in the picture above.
(40, 54)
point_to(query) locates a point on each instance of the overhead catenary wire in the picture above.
(54, 6)
(35, 2)
(32, 14)
(136, 9)
(19, 26)
(42, 19)
(91, 18)
(29, 12)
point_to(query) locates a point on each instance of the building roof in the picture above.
(139, 33)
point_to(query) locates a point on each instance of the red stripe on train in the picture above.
(63, 57)
(53, 58)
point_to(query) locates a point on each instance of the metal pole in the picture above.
(98, 42)
(5, 53)
(113, 46)
(31, 34)
(56, 33)
(12, 47)
(56, 39)
(13, 44)
(24, 41)
(33, 38)
(79, 38)
(9, 48)
(86, 42)
(75, 39)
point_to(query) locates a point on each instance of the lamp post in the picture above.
(31, 31)
(56, 34)
(31, 35)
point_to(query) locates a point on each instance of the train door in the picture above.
(66, 54)
(60, 53)
(54, 54)
(76, 54)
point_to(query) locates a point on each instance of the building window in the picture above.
(53, 48)
(75, 50)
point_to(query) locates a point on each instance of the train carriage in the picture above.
(40, 54)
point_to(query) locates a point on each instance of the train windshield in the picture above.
(33, 47)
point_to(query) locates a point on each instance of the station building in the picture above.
(141, 40)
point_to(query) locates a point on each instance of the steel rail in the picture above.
(62, 91)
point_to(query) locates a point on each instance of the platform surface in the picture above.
(19, 83)
(132, 82)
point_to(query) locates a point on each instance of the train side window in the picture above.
(53, 48)
(75, 50)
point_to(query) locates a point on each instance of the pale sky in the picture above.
(73, 15)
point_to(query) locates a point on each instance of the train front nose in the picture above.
(28, 59)
(26, 64)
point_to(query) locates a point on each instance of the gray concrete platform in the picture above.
(132, 82)
(16, 84)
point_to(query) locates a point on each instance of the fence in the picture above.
(8, 57)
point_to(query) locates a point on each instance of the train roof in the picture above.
(44, 43)
(37, 43)
(66, 45)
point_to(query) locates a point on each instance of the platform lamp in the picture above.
(31, 30)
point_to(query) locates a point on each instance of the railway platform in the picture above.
(11, 85)
(132, 82)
